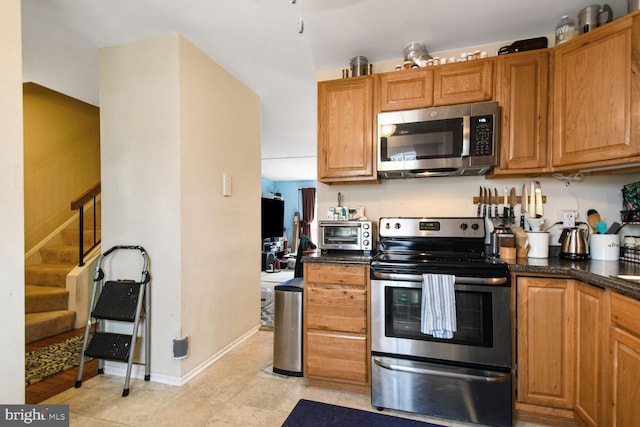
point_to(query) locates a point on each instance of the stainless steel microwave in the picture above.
(438, 141)
(347, 235)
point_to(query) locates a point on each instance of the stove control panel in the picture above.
(470, 227)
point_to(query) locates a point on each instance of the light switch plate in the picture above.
(226, 185)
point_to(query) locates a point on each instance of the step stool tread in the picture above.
(108, 345)
(118, 300)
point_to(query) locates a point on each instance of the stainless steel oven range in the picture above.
(466, 377)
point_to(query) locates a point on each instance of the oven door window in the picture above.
(474, 310)
(423, 140)
(344, 235)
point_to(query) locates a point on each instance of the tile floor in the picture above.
(237, 390)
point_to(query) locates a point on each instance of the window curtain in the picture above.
(308, 209)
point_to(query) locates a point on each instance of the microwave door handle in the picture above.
(466, 138)
(494, 378)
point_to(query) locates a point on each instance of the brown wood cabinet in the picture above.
(623, 393)
(336, 326)
(590, 309)
(522, 92)
(346, 148)
(578, 353)
(545, 344)
(596, 90)
(463, 82)
(406, 90)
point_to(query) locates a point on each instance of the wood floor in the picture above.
(58, 383)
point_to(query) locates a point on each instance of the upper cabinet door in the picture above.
(406, 90)
(522, 91)
(345, 130)
(463, 82)
(595, 97)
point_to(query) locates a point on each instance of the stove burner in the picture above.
(406, 248)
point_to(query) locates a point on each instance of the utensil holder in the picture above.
(538, 244)
(605, 247)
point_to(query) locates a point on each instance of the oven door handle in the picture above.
(493, 378)
(459, 279)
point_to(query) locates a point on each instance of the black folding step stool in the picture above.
(121, 300)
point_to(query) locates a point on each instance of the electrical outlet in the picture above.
(567, 217)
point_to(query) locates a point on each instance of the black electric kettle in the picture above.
(574, 242)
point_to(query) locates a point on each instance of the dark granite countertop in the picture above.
(594, 272)
(338, 257)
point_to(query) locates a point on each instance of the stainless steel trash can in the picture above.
(287, 328)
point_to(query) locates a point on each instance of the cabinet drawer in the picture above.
(336, 274)
(336, 356)
(342, 310)
(624, 312)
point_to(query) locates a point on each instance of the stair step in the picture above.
(70, 236)
(48, 274)
(107, 345)
(39, 299)
(46, 324)
(60, 254)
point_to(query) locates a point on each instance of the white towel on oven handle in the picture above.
(438, 317)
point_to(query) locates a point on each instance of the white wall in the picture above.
(12, 207)
(140, 164)
(172, 122)
(453, 196)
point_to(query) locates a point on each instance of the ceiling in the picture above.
(258, 42)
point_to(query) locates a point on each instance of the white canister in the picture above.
(538, 244)
(605, 247)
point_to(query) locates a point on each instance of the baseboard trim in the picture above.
(137, 371)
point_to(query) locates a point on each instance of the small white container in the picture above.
(605, 247)
(538, 244)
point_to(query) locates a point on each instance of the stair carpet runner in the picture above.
(46, 296)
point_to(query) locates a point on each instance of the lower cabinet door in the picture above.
(337, 356)
(625, 373)
(545, 342)
(589, 324)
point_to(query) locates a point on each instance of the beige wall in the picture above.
(172, 123)
(61, 157)
(11, 209)
(220, 134)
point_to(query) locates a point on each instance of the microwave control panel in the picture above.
(482, 135)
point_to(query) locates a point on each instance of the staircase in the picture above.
(47, 310)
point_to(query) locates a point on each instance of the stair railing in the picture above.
(86, 200)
